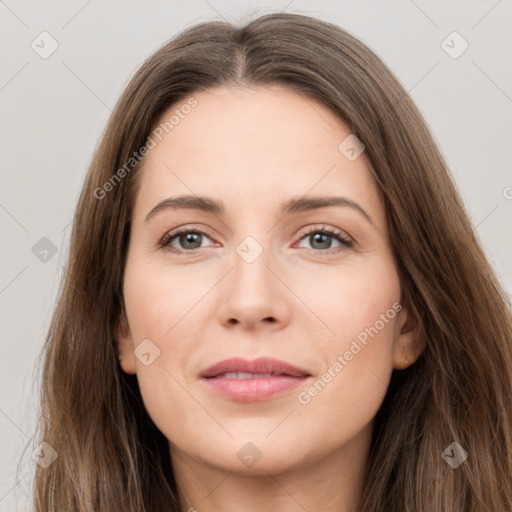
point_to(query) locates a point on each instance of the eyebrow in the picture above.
(292, 206)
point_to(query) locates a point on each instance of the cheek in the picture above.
(160, 307)
(157, 299)
(352, 299)
(361, 309)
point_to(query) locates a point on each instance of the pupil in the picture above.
(322, 239)
(190, 238)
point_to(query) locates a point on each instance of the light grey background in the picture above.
(53, 112)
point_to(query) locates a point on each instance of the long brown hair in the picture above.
(111, 455)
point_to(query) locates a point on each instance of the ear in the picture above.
(409, 338)
(124, 342)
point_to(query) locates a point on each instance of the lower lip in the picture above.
(253, 390)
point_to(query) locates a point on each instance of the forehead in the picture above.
(271, 123)
(240, 144)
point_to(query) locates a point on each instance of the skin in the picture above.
(254, 148)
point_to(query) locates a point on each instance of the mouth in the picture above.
(249, 381)
(245, 375)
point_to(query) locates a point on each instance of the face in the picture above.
(314, 286)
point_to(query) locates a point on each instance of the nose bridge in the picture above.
(254, 249)
(253, 256)
(252, 292)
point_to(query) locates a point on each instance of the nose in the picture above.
(252, 296)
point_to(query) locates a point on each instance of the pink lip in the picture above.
(260, 365)
(249, 390)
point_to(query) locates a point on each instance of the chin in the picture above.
(257, 455)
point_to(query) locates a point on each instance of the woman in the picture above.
(201, 357)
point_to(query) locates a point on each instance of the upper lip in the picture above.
(260, 365)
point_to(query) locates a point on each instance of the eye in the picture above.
(321, 239)
(189, 239)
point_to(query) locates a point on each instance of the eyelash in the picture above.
(337, 235)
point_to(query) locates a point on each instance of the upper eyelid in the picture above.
(185, 229)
